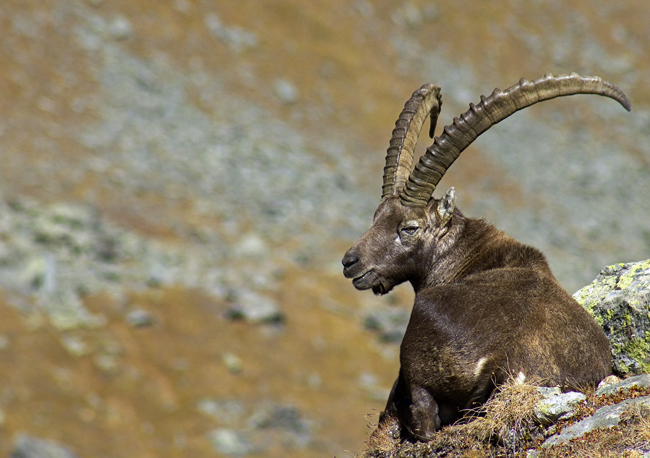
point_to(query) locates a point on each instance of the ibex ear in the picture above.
(446, 206)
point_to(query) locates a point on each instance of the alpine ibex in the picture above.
(486, 306)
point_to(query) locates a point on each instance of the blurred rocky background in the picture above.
(180, 179)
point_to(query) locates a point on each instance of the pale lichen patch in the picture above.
(639, 271)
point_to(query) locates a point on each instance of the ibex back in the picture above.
(486, 306)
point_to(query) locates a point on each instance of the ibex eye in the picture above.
(410, 230)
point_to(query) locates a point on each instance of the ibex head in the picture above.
(401, 241)
(412, 232)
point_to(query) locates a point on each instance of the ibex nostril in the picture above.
(349, 260)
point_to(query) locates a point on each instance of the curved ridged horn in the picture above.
(493, 109)
(399, 156)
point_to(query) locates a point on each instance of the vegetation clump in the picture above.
(504, 425)
(507, 426)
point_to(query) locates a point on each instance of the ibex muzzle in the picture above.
(486, 306)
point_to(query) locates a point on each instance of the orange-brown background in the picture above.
(352, 65)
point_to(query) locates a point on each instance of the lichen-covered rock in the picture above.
(556, 405)
(639, 381)
(605, 417)
(254, 307)
(619, 300)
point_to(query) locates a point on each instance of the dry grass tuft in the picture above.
(385, 438)
(507, 418)
(639, 416)
(500, 427)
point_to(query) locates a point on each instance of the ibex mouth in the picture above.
(364, 281)
(370, 280)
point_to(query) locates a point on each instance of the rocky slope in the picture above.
(180, 181)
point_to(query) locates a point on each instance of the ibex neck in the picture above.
(474, 246)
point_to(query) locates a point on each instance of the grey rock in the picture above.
(231, 442)
(549, 391)
(251, 246)
(140, 318)
(4, 342)
(268, 424)
(108, 364)
(120, 28)
(237, 38)
(408, 15)
(286, 91)
(639, 381)
(233, 363)
(254, 307)
(294, 430)
(225, 411)
(279, 416)
(75, 346)
(66, 311)
(619, 300)
(30, 447)
(605, 417)
(607, 381)
(557, 406)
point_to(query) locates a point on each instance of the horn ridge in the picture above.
(425, 102)
(492, 110)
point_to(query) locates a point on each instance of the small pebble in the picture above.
(286, 91)
(232, 362)
(140, 318)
